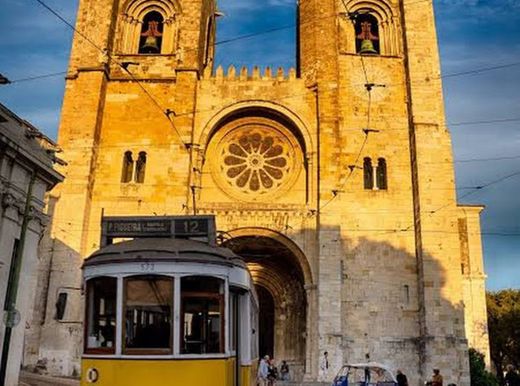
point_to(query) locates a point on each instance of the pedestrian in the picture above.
(437, 378)
(324, 367)
(272, 374)
(263, 371)
(402, 380)
(512, 378)
(284, 371)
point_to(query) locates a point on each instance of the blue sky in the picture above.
(472, 34)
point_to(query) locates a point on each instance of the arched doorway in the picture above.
(280, 280)
(266, 321)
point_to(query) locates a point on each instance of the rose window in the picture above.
(256, 161)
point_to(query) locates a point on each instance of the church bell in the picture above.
(150, 44)
(367, 47)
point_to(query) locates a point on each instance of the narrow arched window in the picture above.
(382, 180)
(128, 167)
(368, 174)
(367, 35)
(140, 167)
(150, 41)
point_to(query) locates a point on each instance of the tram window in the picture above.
(148, 315)
(101, 315)
(202, 315)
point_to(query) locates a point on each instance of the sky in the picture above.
(473, 34)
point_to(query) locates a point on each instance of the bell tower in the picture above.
(375, 69)
(178, 34)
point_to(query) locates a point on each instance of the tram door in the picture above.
(235, 334)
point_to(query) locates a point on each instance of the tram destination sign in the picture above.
(199, 227)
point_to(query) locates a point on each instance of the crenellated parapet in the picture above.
(256, 74)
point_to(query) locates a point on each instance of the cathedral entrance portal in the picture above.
(266, 321)
(279, 280)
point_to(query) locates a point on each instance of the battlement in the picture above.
(256, 74)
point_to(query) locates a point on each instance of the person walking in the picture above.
(263, 371)
(402, 380)
(437, 379)
(512, 378)
(284, 371)
(272, 374)
(324, 367)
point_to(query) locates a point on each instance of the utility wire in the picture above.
(37, 77)
(480, 70)
(487, 159)
(477, 189)
(366, 131)
(484, 122)
(268, 31)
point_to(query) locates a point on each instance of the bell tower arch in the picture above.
(179, 34)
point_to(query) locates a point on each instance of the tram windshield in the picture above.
(148, 313)
(202, 308)
(101, 320)
(146, 305)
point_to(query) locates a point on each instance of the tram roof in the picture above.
(163, 249)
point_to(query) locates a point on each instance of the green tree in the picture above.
(477, 367)
(504, 329)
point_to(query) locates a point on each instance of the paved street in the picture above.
(30, 379)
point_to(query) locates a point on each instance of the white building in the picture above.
(26, 169)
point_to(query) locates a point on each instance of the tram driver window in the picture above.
(202, 315)
(101, 315)
(148, 315)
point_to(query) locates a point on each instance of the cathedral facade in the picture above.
(334, 180)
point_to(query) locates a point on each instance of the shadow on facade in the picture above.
(367, 300)
(361, 299)
(54, 346)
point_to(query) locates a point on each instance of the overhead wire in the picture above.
(483, 122)
(476, 190)
(37, 77)
(367, 130)
(276, 29)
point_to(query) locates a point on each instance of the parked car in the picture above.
(365, 374)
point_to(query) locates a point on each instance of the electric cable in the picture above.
(37, 77)
(504, 120)
(366, 131)
(276, 29)
(477, 189)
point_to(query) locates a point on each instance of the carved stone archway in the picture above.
(281, 272)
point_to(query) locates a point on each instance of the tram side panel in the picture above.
(139, 372)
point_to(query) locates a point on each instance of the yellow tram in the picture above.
(164, 309)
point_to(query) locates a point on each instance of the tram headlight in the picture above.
(92, 375)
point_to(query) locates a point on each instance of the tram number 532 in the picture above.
(147, 267)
